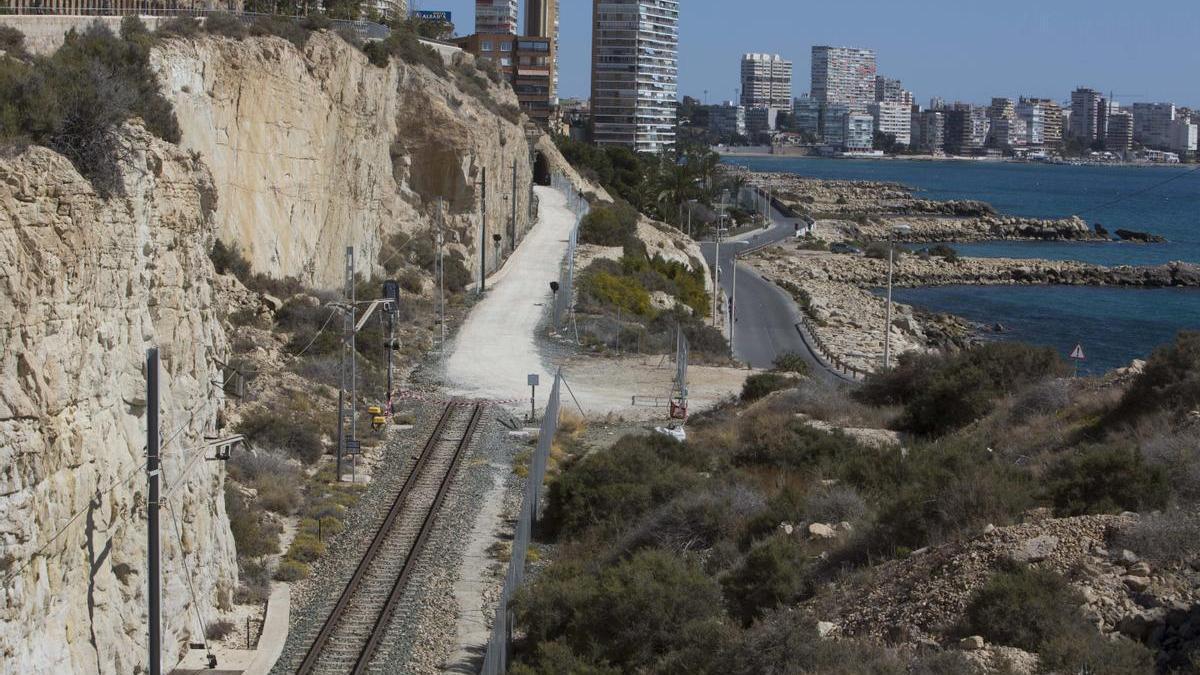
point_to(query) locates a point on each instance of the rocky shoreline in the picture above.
(867, 210)
(836, 292)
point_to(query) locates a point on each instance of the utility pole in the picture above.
(483, 234)
(733, 303)
(901, 228)
(152, 505)
(512, 224)
(347, 385)
(441, 270)
(717, 272)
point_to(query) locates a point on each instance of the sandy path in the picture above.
(496, 347)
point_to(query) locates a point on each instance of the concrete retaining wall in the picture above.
(45, 34)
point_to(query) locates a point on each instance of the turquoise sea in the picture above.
(1114, 325)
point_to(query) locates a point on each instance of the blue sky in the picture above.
(960, 49)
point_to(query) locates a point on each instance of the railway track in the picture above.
(351, 635)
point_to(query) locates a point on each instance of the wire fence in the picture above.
(366, 30)
(564, 299)
(497, 657)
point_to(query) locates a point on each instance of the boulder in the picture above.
(826, 629)
(972, 644)
(786, 528)
(1036, 550)
(821, 531)
(1136, 584)
(271, 302)
(1139, 569)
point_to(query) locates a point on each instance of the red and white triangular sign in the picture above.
(1078, 353)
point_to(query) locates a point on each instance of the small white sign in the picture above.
(533, 380)
(1078, 353)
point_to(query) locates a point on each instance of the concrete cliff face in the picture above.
(86, 286)
(314, 150)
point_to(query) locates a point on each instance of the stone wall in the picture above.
(86, 286)
(45, 34)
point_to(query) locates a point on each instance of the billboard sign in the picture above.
(433, 15)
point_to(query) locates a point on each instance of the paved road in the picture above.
(765, 325)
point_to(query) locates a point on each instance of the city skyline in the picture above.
(1145, 57)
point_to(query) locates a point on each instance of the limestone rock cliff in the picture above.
(317, 149)
(86, 286)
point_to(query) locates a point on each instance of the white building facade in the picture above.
(859, 133)
(893, 118)
(766, 81)
(635, 71)
(844, 75)
(496, 17)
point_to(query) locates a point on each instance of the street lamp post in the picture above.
(887, 326)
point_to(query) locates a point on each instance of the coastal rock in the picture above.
(1140, 237)
(88, 285)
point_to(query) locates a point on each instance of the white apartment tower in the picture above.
(1085, 114)
(766, 81)
(635, 69)
(844, 75)
(895, 118)
(496, 17)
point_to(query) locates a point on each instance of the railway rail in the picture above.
(351, 635)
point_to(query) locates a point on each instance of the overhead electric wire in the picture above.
(319, 332)
(1142, 191)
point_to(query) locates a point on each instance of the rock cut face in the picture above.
(86, 286)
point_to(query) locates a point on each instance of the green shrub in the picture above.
(760, 384)
(225, 24)
(457, 276)
(774, 572)
(291, 426)
(229, 260)
(631, 615)
(182, 26)
(1080, 648)
(12, 42)
(1105, 479)
(557, 657)
(305, 548)
(1170, 381)
(944, 393)
(615, 486)
(944, 251)
(75, 101)
(1022, 607)
(218, 630)
(617, 292)
(405, 44)
(283, 27)
(608, 225)
(252, 534)
(412, 281)
(291, 570)
(790, 362)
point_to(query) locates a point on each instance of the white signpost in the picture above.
(1078, 356)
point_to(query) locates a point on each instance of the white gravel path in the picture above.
(496, 348)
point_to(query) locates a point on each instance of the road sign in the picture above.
(353, 446)
(533, 380)
(1078, 353)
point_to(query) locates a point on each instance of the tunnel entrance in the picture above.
(541, 170)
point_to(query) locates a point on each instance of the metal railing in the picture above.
(564, 299)
(808, 332)
(495, 661)
(366, 30)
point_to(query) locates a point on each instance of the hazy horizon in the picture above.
(937, 49)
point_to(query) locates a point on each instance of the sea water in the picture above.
(1114, 325)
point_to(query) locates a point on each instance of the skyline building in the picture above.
(1118, 135)
(541, 20)
(807, 113)
(1085, 114)
(888, 90)
(766, 81)
(635, 71)
(895, 118)
(496, 17)
(859, 132)
(1152, 123)
(844, 75)
(928, 130)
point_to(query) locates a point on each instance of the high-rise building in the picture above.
(928, 131)
(1001, 107)
(1085, 114)
(389, 9)
(1044, 120)
(807, 112)
(833, 123)
(1008, 133)
(893, 118)
(496, 16)
(541, 20)
(937, 103)
(1152, 123)
(967, 128)
(1182, 138)
(1118, 135)
(766, 81)
(635, 71)
(762, 120)
(888, 90)
(727, 120)
(859, 131)
(844, 75)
